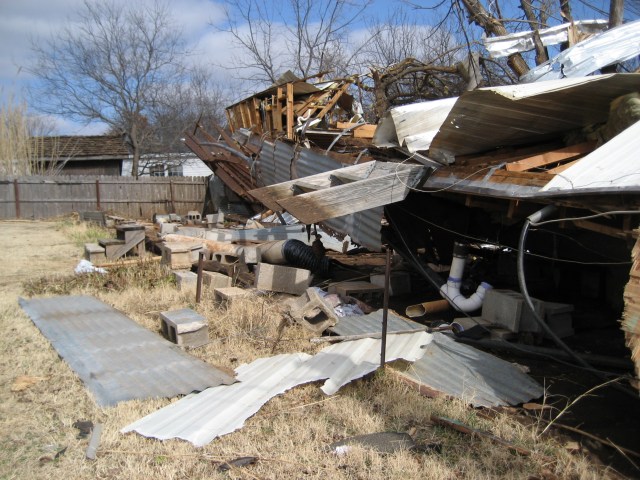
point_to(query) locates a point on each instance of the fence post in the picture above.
(98, 194)
(173, 206)
(16, 196)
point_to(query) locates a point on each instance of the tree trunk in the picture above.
(494, 27)
(541, 52)
(616, 8)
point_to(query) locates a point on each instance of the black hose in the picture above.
(299, 254)
(536, 217)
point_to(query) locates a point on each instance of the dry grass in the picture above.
(289, 435)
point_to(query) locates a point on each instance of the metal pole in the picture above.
(199, 280)
(16, 196)
(385, 307)
(98, 194)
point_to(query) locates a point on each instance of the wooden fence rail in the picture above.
(40, 197)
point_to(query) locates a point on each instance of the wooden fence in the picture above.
(38, 197)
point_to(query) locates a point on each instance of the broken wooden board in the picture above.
(551, 157)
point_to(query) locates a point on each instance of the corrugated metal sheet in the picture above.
(412, 126)
(487, 118)
(615, 167)
(613, 46)
(506, 45)
(474, 376)
(363, 227)
(116, 358)
(372, 323)
(309, 162)
(221, 410)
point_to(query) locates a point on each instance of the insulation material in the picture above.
(631, 315)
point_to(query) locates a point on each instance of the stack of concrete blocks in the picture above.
(278, 278)
(399, 283)
(178, 255)
(166, 228)
(508, 309)
(186, 281)
(312, 312)
(364, 291)
(184, 327)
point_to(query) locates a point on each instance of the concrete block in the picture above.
(216, 280)
(365, 291)
(399, 283)
(224, 258)
(184, 327)
(215, 219)
(229, 294)
(94, 253)
(528, 322)
(166, 228)
(250, 254)
(278, 278)
(503, 307)
(185, 280)
(312, 312)
(179, 255)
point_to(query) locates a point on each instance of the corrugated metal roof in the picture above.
(487, 118)
(506, 45)
(116, 358)
(363, 227)
(614, 167)
(309, 162)
(221, 410)
(613, 46)
(474, 376)
(372, 323)
(412, 126)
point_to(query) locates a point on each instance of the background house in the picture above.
(82, 155)
(169, 165)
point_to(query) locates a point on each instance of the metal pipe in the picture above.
(199, 280)
(385, 307)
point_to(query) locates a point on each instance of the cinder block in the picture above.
(224, 258)
(185, 280)
(179, 255)
(229, 294)
(312, 312)
(365, 291)
(215, 219)
(250, 254)
(216, 280)
(94, 253)
(503, 307)
(399, 282)
(166, 228)
(278, 278)
(184, 327)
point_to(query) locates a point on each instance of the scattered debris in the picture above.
(113, 355)
(94, 442)
(84, 426)
(383, 442)
(85, 266)
(24, 382)
(237, 463)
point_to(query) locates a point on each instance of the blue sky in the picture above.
(22, 21)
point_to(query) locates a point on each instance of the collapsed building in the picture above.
(529, 190)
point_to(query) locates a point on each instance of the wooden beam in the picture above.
(290, 115)
(331, 103)
(562, 168)
(554, 156)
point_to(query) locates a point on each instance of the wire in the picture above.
(497, 244)
(587, 217)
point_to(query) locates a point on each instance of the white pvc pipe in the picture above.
(451, 289)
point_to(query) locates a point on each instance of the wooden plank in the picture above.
(277, 111)
(554, 156)
(300, 187)
(290, 116)
(333, 100)
(562, 168)
(365, 130)
(357, 196)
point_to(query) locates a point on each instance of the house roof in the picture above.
(91, 147)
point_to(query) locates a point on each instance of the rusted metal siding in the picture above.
(116, 358)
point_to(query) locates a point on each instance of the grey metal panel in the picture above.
(472, 375)
(116, 358)
(274, 163)
(264, 165)
(372, 323)
(309, 162)
(487, 118)
(363, 227)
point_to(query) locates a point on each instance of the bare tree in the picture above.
(305, 36)
(112, 65)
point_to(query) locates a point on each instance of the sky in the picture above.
(24, 21)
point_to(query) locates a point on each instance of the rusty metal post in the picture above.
(173, 205)
(99, 207)
(199, 280)
(385, 307)
(16, 196)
